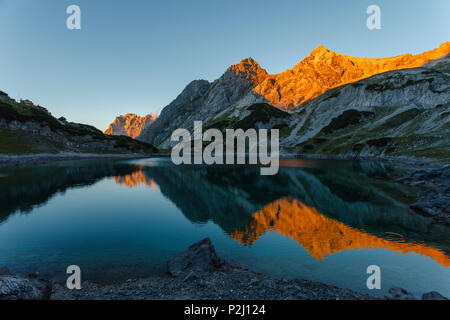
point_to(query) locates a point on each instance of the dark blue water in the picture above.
(319, 220)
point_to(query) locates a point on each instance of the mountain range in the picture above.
(328, 103)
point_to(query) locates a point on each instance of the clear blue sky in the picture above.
(136, 56)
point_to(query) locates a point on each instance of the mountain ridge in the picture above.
(324, 69)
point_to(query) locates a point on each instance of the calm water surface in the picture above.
(319, 220)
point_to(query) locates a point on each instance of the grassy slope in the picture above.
(22, 142)
(353, 131)
(259, 113)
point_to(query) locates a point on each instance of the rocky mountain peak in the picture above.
(249, 69)
(130, 124)
(194, 89)
(320, 50)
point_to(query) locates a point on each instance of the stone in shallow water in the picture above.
(198, 258)
(433, 295)
(18, 288)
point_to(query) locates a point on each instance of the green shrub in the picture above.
(347, 118)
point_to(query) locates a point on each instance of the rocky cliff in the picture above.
(130, 125)
(176, 113)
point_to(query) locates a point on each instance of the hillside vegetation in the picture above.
(27, 130)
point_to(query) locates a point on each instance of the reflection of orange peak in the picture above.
(322, 236)
(322, 70)
(136, 178)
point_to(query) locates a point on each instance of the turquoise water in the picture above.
(319, 220)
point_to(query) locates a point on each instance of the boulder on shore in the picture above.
(198, 258)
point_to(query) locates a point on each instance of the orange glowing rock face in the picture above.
(322, 236)
(249, 69)
(135, 179)
(322, 70)
(130, 125)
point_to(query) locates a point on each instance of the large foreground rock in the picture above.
(19, 288)
(196, 259)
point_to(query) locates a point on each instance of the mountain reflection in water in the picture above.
(323, 236)
(320, 235)
(135, 179)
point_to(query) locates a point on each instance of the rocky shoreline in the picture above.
(194, 274)
(433, 199)
(31, 159)
(37, 159)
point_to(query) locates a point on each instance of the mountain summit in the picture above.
(129, 125)
(249, 69)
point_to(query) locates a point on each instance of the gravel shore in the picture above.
(198, 273)
(227, 282)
